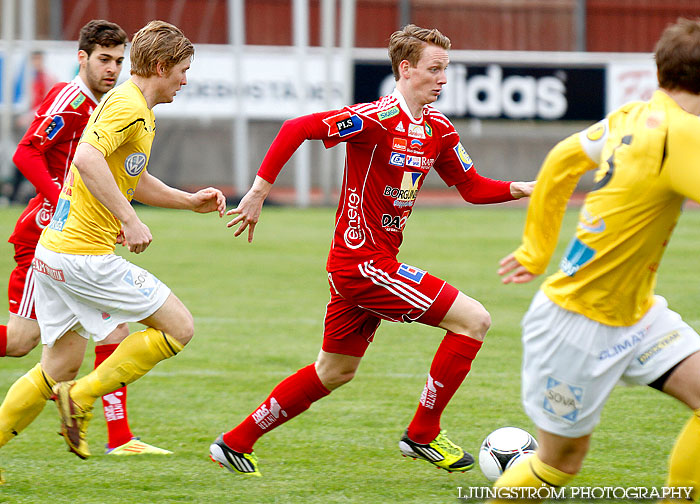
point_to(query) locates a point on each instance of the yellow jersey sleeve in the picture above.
(683, 170)
(560, 172)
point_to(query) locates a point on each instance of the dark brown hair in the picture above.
(100, 32)
(677, 56)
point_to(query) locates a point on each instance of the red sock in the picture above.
(114, 405)
(450, 366)
(289, 398)
(3, 340)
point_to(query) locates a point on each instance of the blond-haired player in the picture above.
(83, 288)
(597, 321)
(43, 156)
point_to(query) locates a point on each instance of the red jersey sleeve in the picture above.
(456, 168)
(291, 135)
(33, 165)
(480, 190)
(332, 127)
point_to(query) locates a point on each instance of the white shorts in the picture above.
(572, 363)
(91, 295)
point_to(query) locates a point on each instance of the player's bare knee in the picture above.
(332, 379)
(474, 324)
(20, 343)
(183, 330)
(482, 322)
(117, 336)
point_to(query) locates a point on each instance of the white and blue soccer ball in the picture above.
(504, 448)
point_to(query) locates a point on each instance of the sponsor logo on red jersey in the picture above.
(413, 161)
(416, 131)
(411, 273)
(354, 236)
(464, 158)
(399, 144)
(78, 101)
(397, 159)
(404, 196)
(49, 128)
(395, 223)
(386, 114)
(343, 124)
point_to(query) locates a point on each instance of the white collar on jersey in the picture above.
(83, 87)
(402, 103)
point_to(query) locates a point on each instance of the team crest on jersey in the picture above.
(78, 101)
(49, 128)
(428, 129)
(411, 273)
(343, 124)
(416, 131)
(596, 131)
(463, 157)
(386, 114)
(135, 163)
(399, 144)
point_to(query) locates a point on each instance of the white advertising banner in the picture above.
(275, 83)
(626, 82)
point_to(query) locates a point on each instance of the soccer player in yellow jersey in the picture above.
(83, 288)
(597, 321)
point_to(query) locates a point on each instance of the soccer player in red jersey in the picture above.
(43, 156)
(391, 144)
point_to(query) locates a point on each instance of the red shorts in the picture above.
(20, 290)
(380, 289)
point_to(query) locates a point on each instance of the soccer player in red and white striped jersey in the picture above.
(44, 156)
(391, 145)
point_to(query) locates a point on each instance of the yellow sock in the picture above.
(132, 359)
(531, 473)
(684, 465)
(23, 402)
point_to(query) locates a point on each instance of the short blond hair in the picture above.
(158, 42)
(408, 44)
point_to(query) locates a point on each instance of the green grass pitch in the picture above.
(258, 311)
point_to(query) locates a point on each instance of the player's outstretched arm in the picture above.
(513, 272)
(154, 192)
(248, 210)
